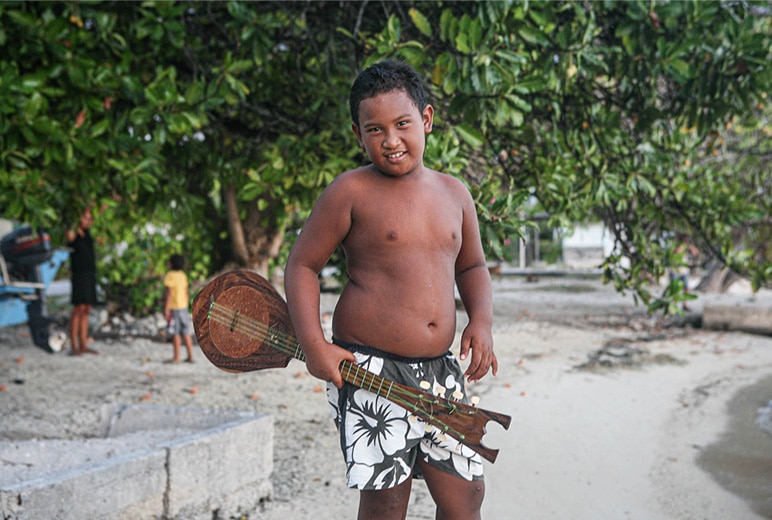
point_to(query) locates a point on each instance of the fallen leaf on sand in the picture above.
(3, 388)
(146, 397)
(20, 360)
(194, 390)
(254, 397)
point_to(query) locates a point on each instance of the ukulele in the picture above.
(242, 324)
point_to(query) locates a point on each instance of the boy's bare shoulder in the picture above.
(449, 179)
(349, 180)
(453, 183)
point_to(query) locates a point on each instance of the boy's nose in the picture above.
(390, 140)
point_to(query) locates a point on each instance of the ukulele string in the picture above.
(362, 378)
(258, 331)
(403, 396)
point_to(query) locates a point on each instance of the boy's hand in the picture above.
(478, 338)
(323, 361)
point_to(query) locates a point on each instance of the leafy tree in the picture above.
(198, 118)
(220, 122)
(612, 111)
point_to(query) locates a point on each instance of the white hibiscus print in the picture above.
(376, 428)
(440, 446)
(380, 423)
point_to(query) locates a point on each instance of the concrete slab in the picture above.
(154, 462)
(740, 316)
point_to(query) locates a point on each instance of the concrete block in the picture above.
(122, 419)
(744, 317)
(130, 486)
(154, 462)
(207, 471)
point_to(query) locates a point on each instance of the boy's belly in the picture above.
(400, 320)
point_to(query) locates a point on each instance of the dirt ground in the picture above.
(548, 333)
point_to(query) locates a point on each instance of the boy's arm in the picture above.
(325, 228)
(167, 302)
(474, 286)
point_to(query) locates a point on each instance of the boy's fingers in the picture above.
(345, 356)
(474, 366)
(337, 381)
(481, 363)
(464, 349)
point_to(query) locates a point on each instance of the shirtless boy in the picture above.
(409, 233)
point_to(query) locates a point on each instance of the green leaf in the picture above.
(420, 21)
(532, 35)
(470, 135)
(448, 26)
(462, 44)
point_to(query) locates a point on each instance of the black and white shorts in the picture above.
(381, 440)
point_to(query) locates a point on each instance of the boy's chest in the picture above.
(406, 221)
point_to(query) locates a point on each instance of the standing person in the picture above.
(176, 302)
(684, 252)
(83, 268)
(409, 233)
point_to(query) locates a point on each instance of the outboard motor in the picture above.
(25, 250)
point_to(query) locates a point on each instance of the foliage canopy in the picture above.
(220, 122)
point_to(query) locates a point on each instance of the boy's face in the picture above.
(393, 132)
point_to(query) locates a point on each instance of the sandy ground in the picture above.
(616, 415)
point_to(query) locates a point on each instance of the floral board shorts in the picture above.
(381, 440)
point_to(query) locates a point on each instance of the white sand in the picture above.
(606, 443)
(620, 444)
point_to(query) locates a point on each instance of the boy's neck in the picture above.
(414, 174)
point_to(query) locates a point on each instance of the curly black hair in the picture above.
(177, 262)
(385, 76)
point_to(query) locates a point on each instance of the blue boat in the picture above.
(28, 265)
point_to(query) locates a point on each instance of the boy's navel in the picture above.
(391, 235)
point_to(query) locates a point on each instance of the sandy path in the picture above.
(603, 442)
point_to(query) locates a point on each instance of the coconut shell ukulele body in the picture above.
(242, 324)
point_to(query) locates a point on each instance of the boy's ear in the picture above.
(355, 128)
(428, 118)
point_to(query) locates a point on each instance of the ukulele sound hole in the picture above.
(237, 334)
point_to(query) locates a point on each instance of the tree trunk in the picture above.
(235, 227)
(256, 240)
(717, 279)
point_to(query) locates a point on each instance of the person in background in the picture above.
(686, 252)
(83, 278)
(176, 302)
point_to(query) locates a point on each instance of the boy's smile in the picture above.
(393, 132)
